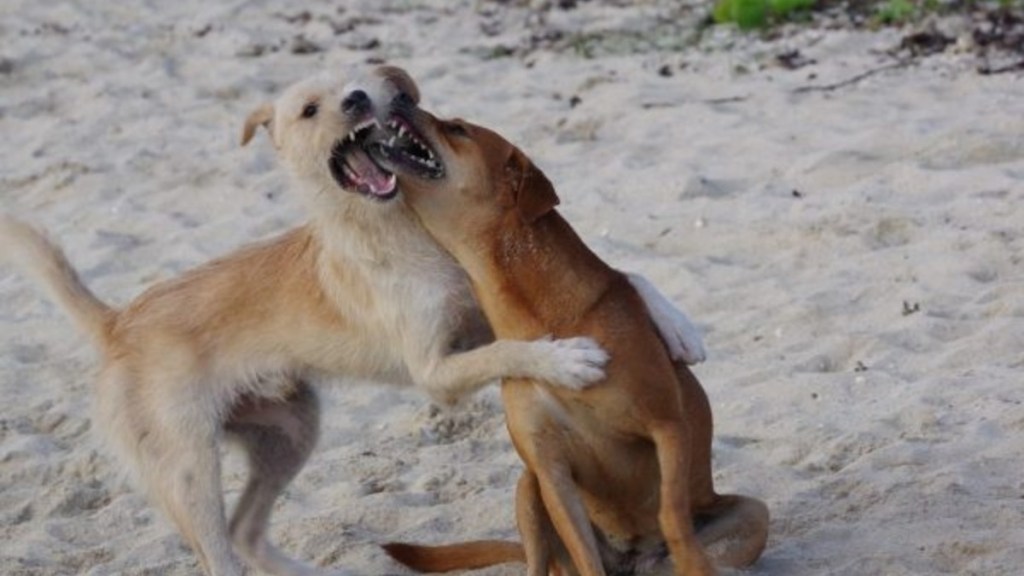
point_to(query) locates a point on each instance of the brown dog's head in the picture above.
(463, 180)
(321, 127)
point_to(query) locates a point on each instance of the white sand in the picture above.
(884, 442)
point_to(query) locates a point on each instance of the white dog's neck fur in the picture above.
(372, 232)
(383, 246)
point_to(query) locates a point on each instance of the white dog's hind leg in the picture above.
(185, 479)
(165, 427)
(165, 434)
(278, 435)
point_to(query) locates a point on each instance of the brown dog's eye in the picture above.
(405, 99)
(455, 129)
(310, 110)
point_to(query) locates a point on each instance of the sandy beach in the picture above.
(851, 249)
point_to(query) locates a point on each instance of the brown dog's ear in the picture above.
(261, 116)
(401, 80)
(530, 190)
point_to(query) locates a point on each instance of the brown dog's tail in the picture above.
(461, 556)
(45, 264)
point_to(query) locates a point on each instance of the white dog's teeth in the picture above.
(402, 131)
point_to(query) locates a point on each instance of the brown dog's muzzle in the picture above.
(403, 148)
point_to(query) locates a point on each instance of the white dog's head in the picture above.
(322, 125)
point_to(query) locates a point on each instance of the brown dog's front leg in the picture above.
(569, 517)
(535, 529)
(671, 441)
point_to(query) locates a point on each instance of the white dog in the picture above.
(230, 349)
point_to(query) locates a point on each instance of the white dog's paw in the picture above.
(681, 337)
(573, 363)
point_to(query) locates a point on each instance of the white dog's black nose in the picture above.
(357, 102)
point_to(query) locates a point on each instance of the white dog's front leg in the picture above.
(572, 362)
(680, 335)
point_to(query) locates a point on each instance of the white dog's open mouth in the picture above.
(353, 168)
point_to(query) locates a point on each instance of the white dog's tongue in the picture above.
(367, 175)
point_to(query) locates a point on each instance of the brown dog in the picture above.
(615, 472)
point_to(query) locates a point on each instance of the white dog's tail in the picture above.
(45, 264)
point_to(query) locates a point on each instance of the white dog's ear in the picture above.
(261, 116)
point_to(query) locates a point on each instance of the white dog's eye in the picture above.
(310, 110)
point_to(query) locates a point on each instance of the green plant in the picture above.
(895, 12)
(744, 13)
(748, 14)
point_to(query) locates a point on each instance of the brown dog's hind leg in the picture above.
(732, 528)
(700, 429)
(672, 442)
(278, 436)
